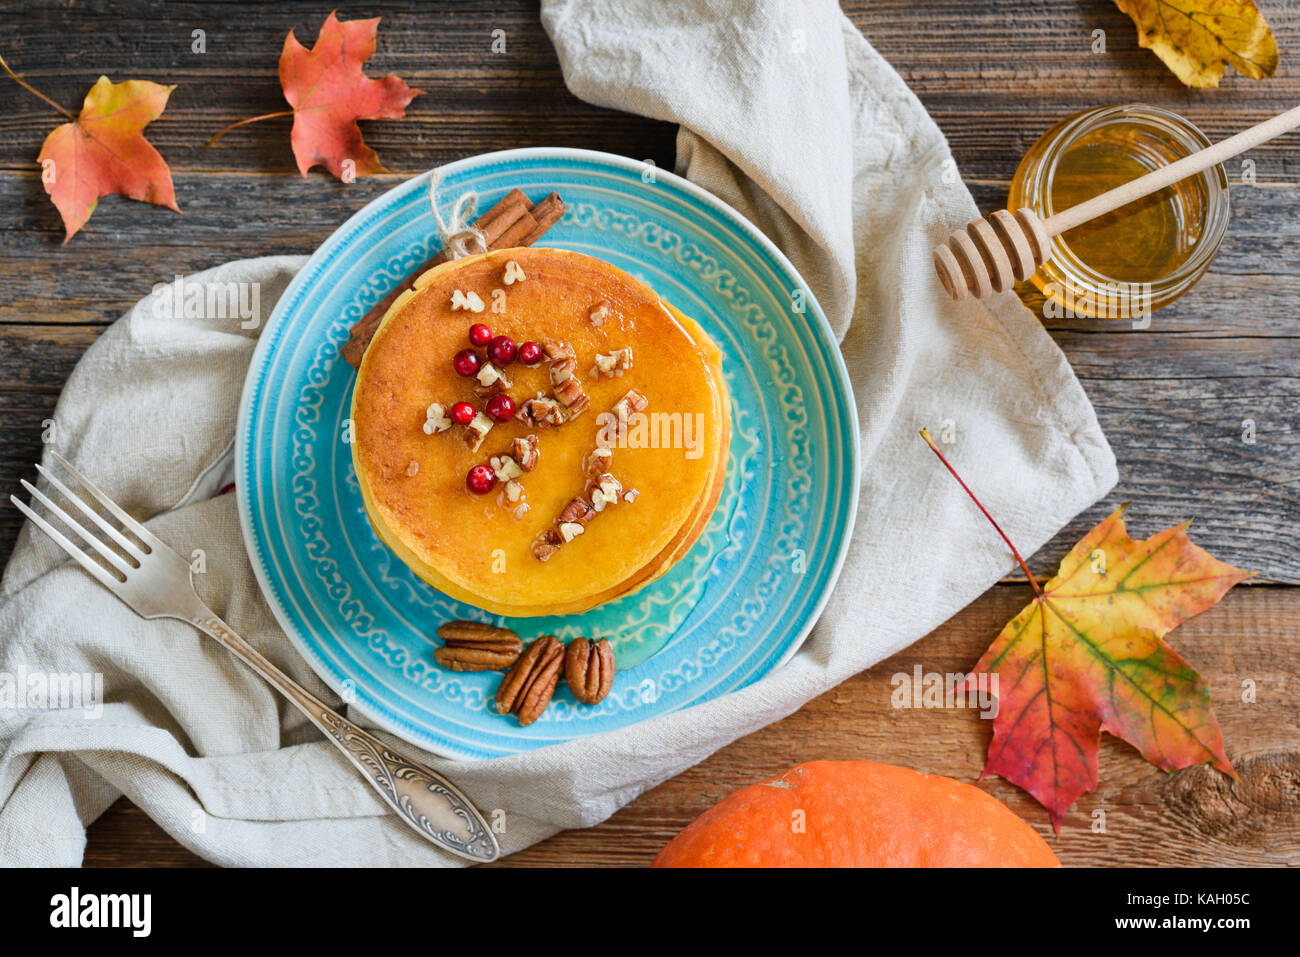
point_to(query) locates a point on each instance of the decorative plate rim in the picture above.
(261, 355)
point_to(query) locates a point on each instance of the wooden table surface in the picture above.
(1173, 399)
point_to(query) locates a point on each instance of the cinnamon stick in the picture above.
(513, 221)
(546, 213)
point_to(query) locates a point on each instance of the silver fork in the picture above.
(155, 582)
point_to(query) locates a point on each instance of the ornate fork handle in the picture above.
(422, 797)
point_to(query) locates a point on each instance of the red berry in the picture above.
(466, 362)
(480, 480)
(501, 350)
(530, 353)
(462, 413)
(501, 407)
(479, 334)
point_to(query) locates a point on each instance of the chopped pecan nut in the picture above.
(436, 419)
(612, 364)
(599, 313)
(539, 411)
(556, 349)
(569, 391)
(466, 300)
(490, 380)
(562, 370)
(633, 401)
(578, 510)
(505, 468)
(526, 452)
(558, 415)
(475, 646)
(589, 669)
(547, 544)
(570, 530)
(605, 491)
(514, 273)
(597, 463)
(527, 688)
(477, 431)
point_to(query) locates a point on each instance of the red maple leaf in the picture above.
(329, 93)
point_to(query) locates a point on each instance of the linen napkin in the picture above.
(789, 115)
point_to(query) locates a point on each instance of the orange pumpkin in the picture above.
(857, 814)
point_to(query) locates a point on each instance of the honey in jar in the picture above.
(1142, 256)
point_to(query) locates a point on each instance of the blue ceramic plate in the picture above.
(735, 608)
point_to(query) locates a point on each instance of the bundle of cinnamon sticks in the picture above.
(514, 221)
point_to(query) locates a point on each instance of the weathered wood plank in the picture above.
(475, 100)
(127, 247)
(1192, 817)
(1195, 816)
(994, 76)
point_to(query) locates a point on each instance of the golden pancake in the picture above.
(644, 382)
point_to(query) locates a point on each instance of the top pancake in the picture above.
(472, 546)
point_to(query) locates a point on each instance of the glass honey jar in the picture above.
(1143, 256)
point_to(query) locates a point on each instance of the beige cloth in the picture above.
(788, 115)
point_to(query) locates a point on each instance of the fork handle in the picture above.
(422, 797)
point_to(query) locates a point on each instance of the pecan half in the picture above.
(526, 452)
(527, 687)
(589, 669)
(475, 646)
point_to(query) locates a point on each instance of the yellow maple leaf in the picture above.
(1197, 38)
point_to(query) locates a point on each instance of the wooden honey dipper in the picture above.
(993, 254)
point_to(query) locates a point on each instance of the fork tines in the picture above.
(113, 566)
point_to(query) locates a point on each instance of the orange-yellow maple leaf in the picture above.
(103, 152)
(1197, 38)
(329, 93)
(1087, 655)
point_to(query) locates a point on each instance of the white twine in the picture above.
(458, 234)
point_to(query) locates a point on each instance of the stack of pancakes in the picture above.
(481, 549)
